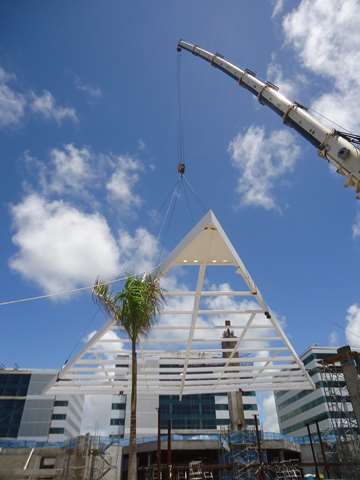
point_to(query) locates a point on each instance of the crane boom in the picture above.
(335, 146)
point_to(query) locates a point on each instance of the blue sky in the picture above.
(88, 128)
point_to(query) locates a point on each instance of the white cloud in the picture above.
(78, 171)
(288, 86)
(96, 415)
(356, 227)
(271, 423)
(123, 180)
(70, 169)
(333, 338)
(108, 347)
(340, 106)
(352, 330)
(12, 103)
(46, 105)
(139, 251)
(60, 247)
(262, 160)
(278, 8)
(87, 88)
(326, 36)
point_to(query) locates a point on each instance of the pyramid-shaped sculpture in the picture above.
(213, 338)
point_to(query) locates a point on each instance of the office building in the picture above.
(27, 414)
(202, 413)
(296, 409)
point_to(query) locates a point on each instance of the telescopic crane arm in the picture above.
(335, 146)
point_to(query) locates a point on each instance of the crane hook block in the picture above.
(181, 168)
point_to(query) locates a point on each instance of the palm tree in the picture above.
(135, 308)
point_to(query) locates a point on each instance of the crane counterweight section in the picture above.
(338, 148)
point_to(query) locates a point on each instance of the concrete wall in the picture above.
(64, 462)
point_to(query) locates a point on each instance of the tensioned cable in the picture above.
(167, 197)
(187, 200)
(196, 195)
(59, 293)
(69, 292)
(89, 324)
(168, 217)
(163, 223)
(328, 119)
(181, 153)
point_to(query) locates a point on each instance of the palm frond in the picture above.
(141, 302)
(136, 307)
(102, 296)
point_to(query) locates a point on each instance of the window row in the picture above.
(118, 406)
(117, 421)
(58, 416)
(61, 403)
(14, 384)
(10, 417)
(56, 430)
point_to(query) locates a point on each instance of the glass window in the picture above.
(58, 416)
(189, 413)
(14, 384)
(250, 406)
(10, 416)
(61, 403)
(117, 421)
(56, 430)
(223, 421)
(210, 424)
(118, 406)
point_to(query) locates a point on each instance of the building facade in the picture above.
(296, 409)
(27, 414)
(203, 413)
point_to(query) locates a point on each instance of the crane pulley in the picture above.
(341, 149)
(181, 168)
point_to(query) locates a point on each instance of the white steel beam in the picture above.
(195, 311)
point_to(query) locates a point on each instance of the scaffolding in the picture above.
(245, 455)
(342, 416)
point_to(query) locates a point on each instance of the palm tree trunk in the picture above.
(132, 468)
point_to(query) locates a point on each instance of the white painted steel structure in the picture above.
(185, 352)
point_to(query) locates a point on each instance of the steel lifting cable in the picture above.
(196, 195)
(166, 223)
(187, 199)
(165, 218)
(181, 153)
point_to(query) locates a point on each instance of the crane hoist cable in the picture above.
(180, 125)
(181, 167)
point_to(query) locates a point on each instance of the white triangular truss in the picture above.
(186, 351)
